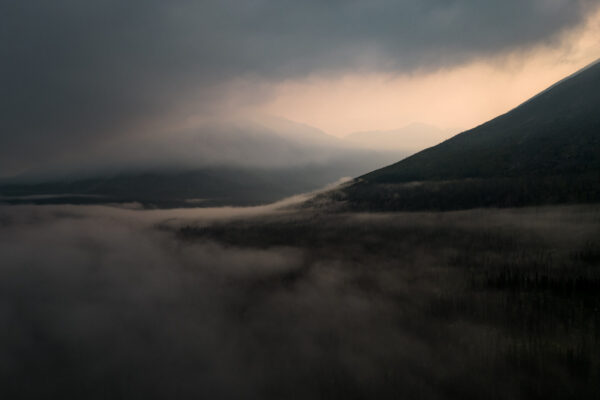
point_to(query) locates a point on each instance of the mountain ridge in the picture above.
(546, 150)
(525, 123)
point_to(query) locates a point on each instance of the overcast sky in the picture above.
(77, 73)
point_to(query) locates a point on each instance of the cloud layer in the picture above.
(74, 73)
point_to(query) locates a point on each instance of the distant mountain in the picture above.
(245, 143)
(205, 187)
(241, 163)
(411, 138)
(547, 150)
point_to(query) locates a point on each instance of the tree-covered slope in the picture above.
(556, 132)
(546, 151)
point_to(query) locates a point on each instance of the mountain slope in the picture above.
(547, 150)
(557, 131)
(202, 187)
(237, 163)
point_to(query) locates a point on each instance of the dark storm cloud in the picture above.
(74, 72)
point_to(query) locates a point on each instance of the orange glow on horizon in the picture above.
(454, 99)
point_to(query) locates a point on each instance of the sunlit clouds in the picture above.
(78, 76)
(453, 98)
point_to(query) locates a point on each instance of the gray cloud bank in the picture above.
(74, 73)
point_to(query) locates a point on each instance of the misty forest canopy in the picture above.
(547, 150)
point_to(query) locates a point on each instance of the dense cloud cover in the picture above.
(75, 73)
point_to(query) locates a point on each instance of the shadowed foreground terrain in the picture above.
(99, 302)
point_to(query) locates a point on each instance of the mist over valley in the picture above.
(300, 200)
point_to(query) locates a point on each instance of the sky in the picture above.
(453, 97)
(76, 74)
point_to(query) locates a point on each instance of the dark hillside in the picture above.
(556, 132)
(546, 151)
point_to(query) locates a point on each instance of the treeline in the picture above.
(469, 193)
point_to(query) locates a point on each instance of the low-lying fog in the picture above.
(103, 302)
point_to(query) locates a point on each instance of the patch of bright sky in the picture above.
(453, 99)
